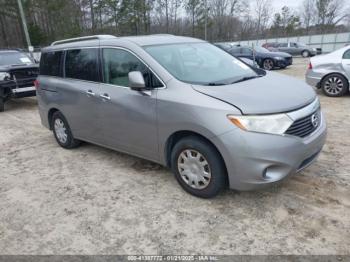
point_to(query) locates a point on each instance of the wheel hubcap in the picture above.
(268, 64)
(334, 85)
(194, 169)
(60, 131)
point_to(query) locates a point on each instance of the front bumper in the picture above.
(255, 160)
(284, 62)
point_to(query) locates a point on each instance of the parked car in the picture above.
(183, 103)
(17, 74)
(330, 72)
(248, 61)
(263, 57)
(223, 46)
(293, 48)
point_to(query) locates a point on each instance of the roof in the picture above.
(160, 39)
(144, 40)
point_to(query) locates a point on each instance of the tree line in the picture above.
(214, 20)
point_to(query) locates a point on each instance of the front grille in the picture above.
(305, 126)
(28, 73)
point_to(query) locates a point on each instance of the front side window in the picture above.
(199, 63)
(247, 51)
(346, 55)
(50, 63)
(82, 64)
(283, 45)
(117, 63)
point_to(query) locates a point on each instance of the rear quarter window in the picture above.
(346, 54)
(50, 63)
(82, 64)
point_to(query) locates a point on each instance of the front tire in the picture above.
(335, 85)
(268, 64)
(62, 131)
(198, 167)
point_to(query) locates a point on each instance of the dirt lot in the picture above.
(93, 200)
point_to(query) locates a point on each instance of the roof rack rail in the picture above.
(83, 38)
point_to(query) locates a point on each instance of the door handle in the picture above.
(90, 93)
(105, 96)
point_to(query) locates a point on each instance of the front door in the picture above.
(128, 118)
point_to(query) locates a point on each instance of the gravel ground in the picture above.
(92, 200)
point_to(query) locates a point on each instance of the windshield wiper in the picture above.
(216, 84)
(246, 78)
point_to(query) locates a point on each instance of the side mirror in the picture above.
(136, 81)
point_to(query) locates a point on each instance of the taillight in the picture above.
(310, 66)
(36, 83)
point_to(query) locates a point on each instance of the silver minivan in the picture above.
(183, 103)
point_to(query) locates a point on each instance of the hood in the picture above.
(274, 54)
(269, 94)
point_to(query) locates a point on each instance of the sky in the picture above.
(278, 4)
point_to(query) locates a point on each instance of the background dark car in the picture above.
(18, 72)
(223, 46)
(294, 48)
(263, 57)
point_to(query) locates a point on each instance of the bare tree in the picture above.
(329, 13)
(263, 13)
(307, 13)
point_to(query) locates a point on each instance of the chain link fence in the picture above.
(328, 42)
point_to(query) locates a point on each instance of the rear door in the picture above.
(346, 62)
(128, 118)
(78, 93)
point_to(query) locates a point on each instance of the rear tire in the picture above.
(62, 131)
(335, 85)
(198, 167)
(2, 105)
(305, 53)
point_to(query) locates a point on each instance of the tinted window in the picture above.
(82, 64)
(247, 51)
(346, 55)
(50, 63)
(283, 45)
(235, 51)
(117, 64)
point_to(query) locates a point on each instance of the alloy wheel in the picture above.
(60, 131)
(333, 85)
(194, 169)
(268, 64)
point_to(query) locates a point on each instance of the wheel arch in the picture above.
(177, 136)
(49, 116)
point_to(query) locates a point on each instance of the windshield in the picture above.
(14, 58)
(261, 49)
(200, 63)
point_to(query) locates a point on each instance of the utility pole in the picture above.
(205, 19)
(25, 28)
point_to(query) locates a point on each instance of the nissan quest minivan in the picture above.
(183, 103)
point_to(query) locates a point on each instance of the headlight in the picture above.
(272, 124)
(279, 58)
(4, 76)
